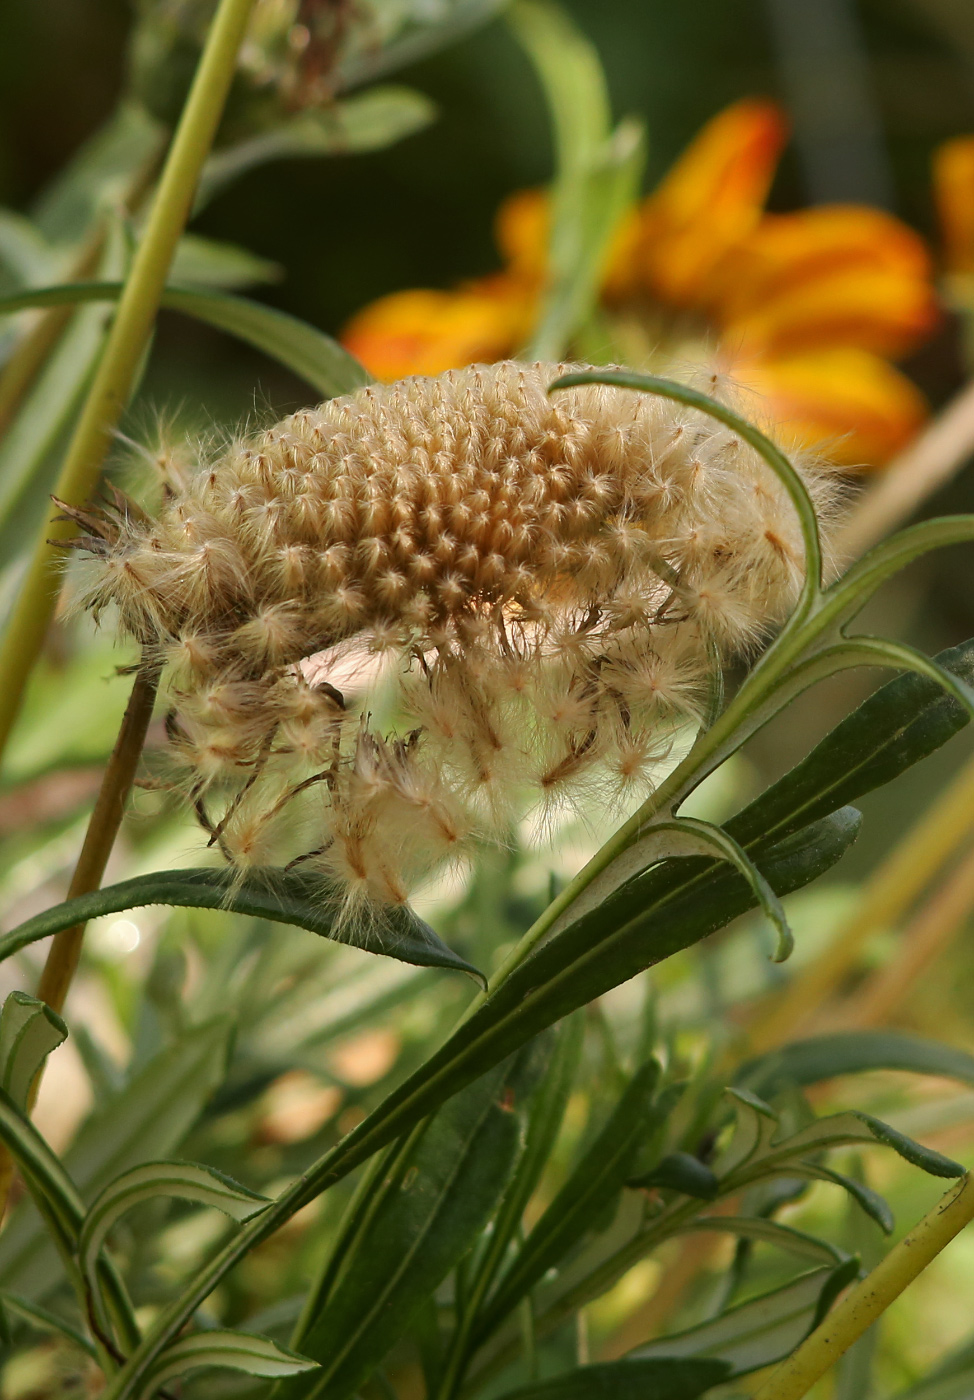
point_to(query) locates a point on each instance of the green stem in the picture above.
(124, 348)
(870, 1298)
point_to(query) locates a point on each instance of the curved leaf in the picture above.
(775, 458)
(187, 1181)
(29, 1031)
(306, 351)
(230, 1351)
(903, 722)
(45, 1321)
(286, 897)
(679, 1171)
(746, 1227)
(805, 1062)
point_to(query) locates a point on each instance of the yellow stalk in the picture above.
(870, 1298)
(885, 897)
(126, 342)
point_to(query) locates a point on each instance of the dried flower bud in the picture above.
(553, 578)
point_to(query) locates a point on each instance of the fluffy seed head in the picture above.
(550, 576)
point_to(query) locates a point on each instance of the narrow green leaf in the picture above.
(704, 838)
(878, 651)
(870, 1202)
(29, 1031)
(594, 1184)
(306, 351)
(207, 262)
(754, 1131)
(186, 1181)
(856, 586)
(229, 1351)
(148, 1118)
(50, 1183)
(366, 122)
(746, 1227)
(446, 1192)
(759, 1332)
(45, 1321)
(306, 901)
(658, 1379)
(901, 723)
(806, 1062)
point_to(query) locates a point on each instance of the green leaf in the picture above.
(50, 1184)
(306, 351)
(45, 1321)
(148, 1118)
(407, 32)
(837, 1130)
(678, 1171)
(440, 1196)
(285, 897)
(903, 722)
(597, 174)
(746, 1227)
(591, 1190)
(205, 262)
(763, 1330)
(366, 122)
(185, 1181)
(806, 1062)
(870, 1202)
(230, 1351)
(658, 1379)
(25, 252)
(29, 1031)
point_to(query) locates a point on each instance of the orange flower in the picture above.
(953, 184)
(807, 308)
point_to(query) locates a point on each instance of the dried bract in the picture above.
(552, 580)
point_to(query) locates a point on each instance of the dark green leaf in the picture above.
(285, 897)
(310, 353)
(592, 1189)
(810, 1061)
(757, 1228)
(442, 1195)
(662, 1379)
(680, 1172)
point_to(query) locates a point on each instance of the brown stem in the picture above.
(62, 959)
(103, 825)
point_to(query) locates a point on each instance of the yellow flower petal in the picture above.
(426, 332)
(852, 405)
(953, 187)
(711, 199)
(521, 230)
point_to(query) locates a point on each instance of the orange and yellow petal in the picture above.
(953, 187)
(711, 198)
(786, 251)
(426, 332)
(853, 406)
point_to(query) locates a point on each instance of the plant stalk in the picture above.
(870, 1298)
(126, 342)
(106, 818)
(103, 825)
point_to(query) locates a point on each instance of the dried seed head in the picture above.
(553, 575)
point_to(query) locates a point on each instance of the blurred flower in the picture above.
(808, 308)
(953, 185)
